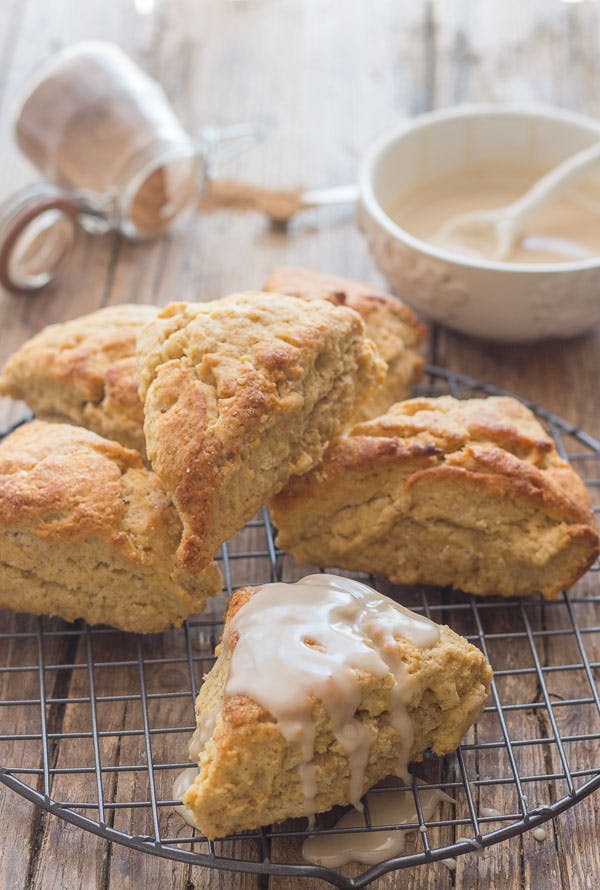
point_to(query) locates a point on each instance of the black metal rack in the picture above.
(110, 714)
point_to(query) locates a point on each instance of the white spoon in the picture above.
(502, 226)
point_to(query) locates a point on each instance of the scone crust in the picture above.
(249, 773)
(242, 393)
(393, 327)
(89, 532)
(84, 371)
(363, 297)
(479, 484)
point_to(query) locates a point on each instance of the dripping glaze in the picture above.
(322, 632)
(386, 807)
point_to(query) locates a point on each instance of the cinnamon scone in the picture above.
(321, 689)
(84, 371)
(86, 531)
(470, 494)
(242, 393)
(393, 327)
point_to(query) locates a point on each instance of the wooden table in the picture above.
(331, 76)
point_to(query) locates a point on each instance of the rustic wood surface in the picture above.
(331, 77)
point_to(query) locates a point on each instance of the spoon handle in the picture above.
(546, 187)
(280, 205)
(338, 194)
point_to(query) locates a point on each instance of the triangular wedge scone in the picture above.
(241, 394)
(84, 371)
(470, 494)
(321, 689)
(86, 531)
(393, 327)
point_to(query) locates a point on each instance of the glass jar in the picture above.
(114, 155)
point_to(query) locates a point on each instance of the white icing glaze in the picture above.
(186, 778)
(369, 847)
(489, 811)
(450, 864)
(568, 228)
(475, 845)
(539, 834)
(202, 733)
(309, 640)
(181, 784)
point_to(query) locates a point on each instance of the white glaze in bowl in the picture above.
(514, 302)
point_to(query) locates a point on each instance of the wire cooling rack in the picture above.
(94, 724)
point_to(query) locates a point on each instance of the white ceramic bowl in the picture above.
(514, 302)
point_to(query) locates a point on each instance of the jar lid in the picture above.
(38, 227)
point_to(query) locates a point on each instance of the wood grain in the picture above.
(330, 79)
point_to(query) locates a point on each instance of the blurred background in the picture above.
(329, 77)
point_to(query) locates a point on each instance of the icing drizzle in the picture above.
(310, 640)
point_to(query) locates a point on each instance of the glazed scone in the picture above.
(470, 494)
(242, 393)
(393, 327)
(84, 371)
(321, 689)
(86, 531)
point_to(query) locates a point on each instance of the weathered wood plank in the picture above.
(65, 855)
(21, 823)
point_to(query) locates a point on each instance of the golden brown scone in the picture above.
(86, 531)
(393, 327)
(249, 772)
(84, 371)
(470, 494)
(242, 393)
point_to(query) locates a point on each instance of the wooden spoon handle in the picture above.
(280, 205)
(229, 193)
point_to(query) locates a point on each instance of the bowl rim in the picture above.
(466, 110)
